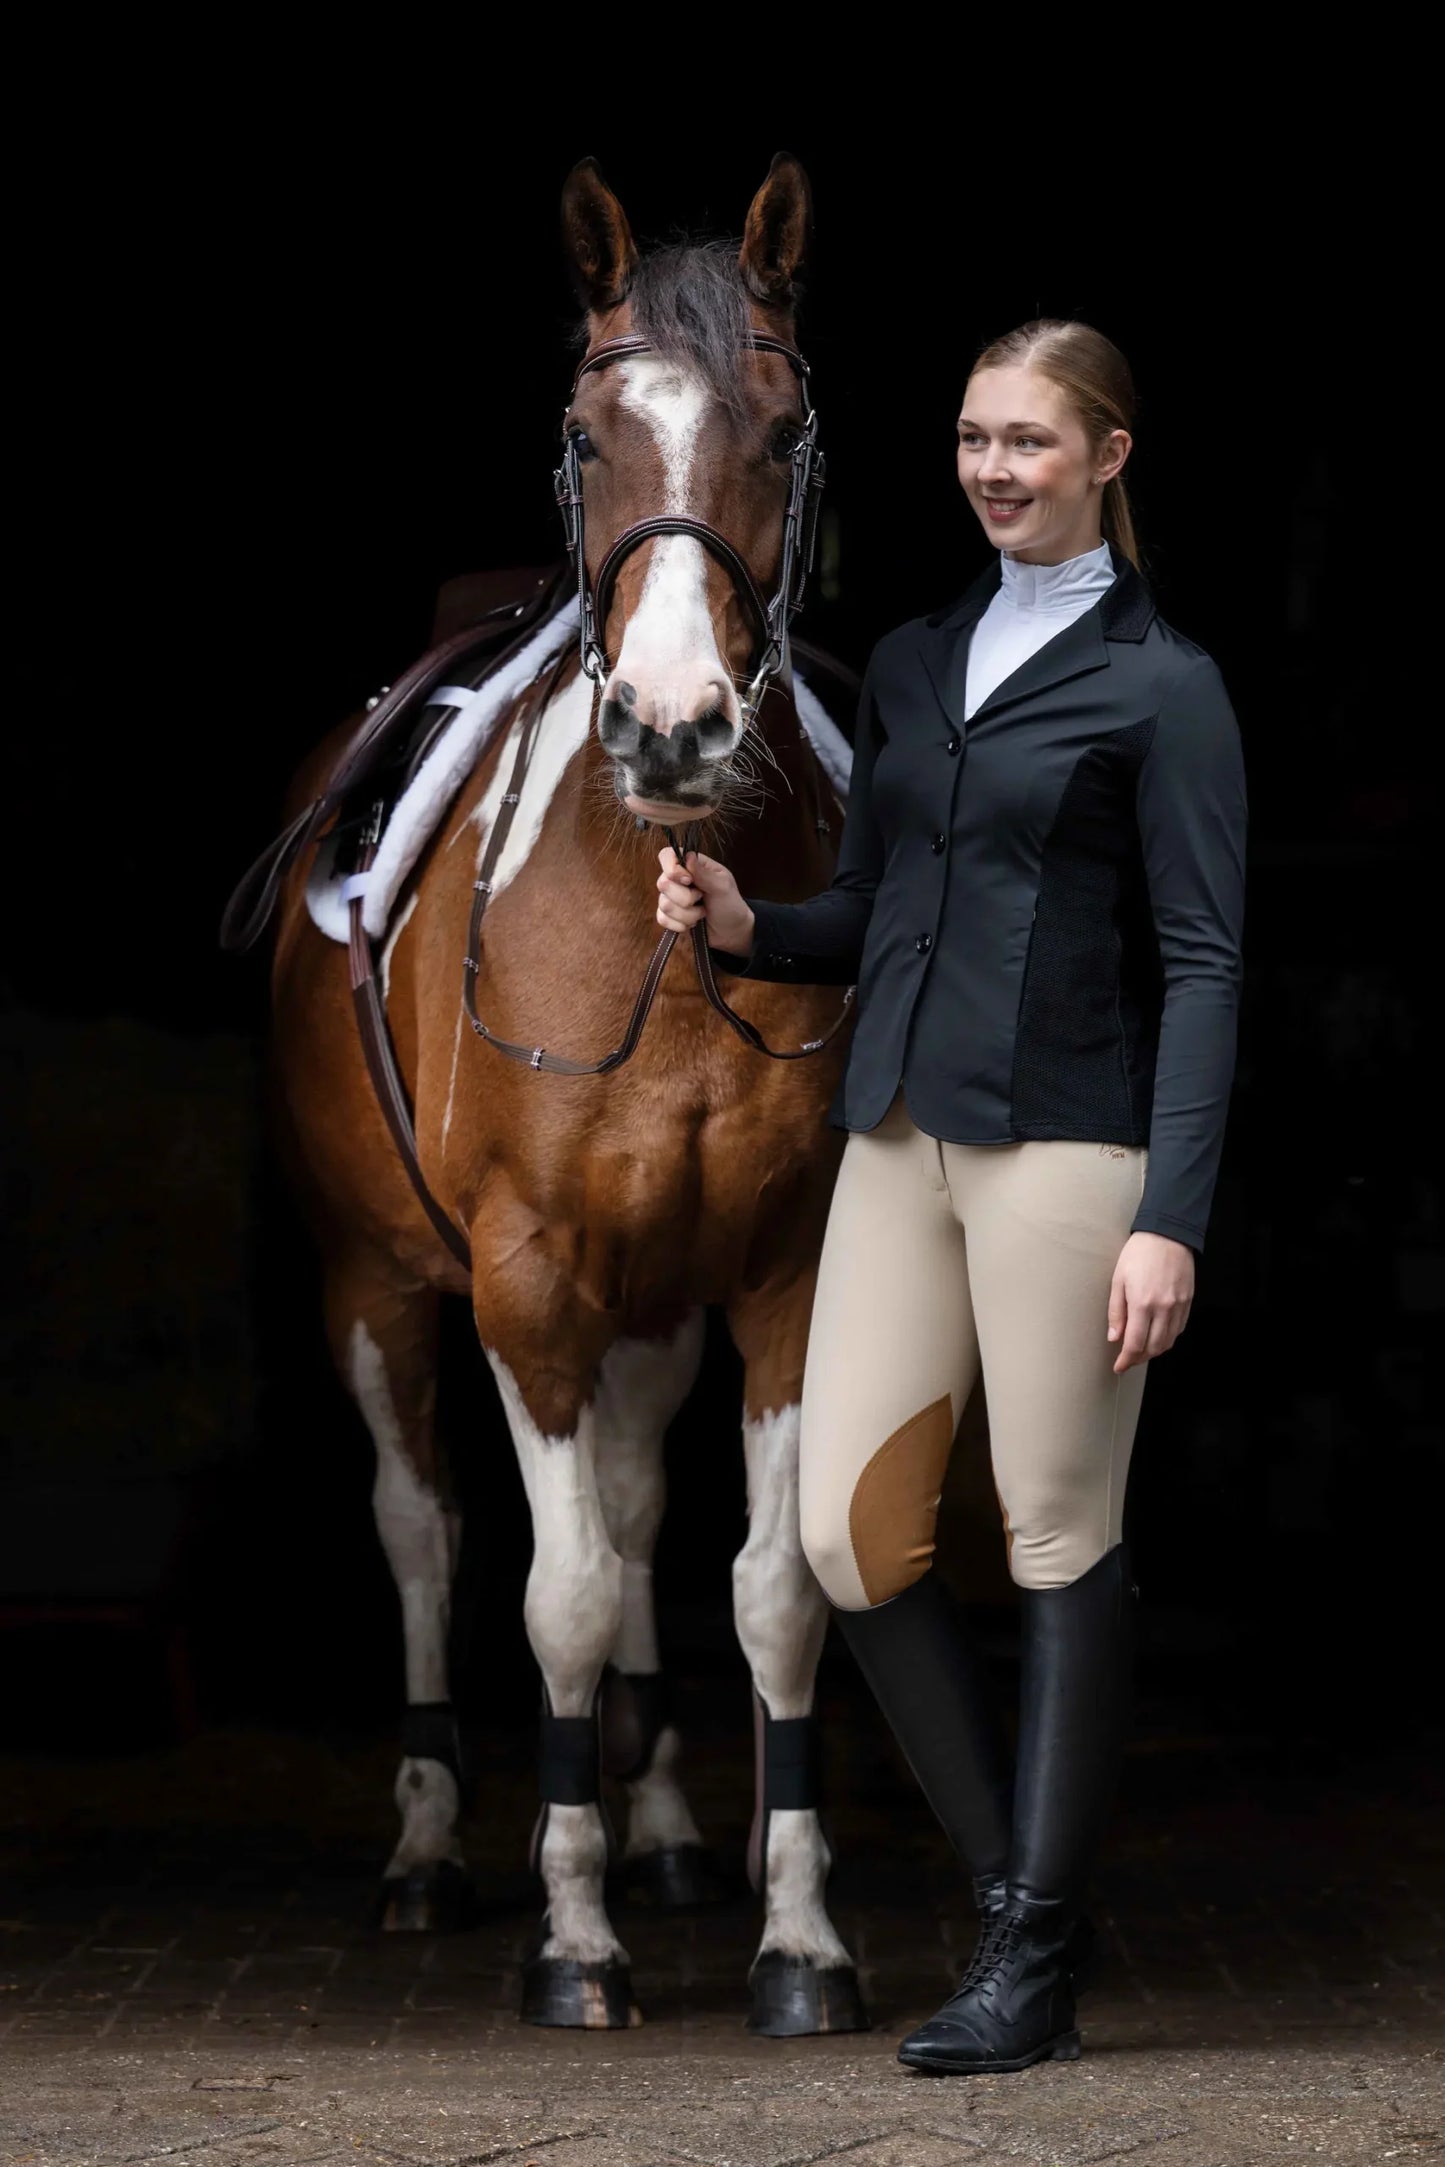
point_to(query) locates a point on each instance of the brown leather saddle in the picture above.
(482, 620)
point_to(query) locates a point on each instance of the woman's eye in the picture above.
(1029, 443)
(582, 444)
(970, 439)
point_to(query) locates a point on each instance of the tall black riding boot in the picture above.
(931, 1681)
(1015, 2003)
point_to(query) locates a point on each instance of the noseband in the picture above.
(770, 620)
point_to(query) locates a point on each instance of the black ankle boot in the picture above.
(990, 1895)
(931, 1681)
(1015, 2004)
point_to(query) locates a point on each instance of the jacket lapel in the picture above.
(1124, 613)
(947, 639)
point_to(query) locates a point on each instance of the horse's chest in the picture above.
(655, 1215)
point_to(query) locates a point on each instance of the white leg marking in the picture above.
(782, 1617)
(420, 1538)
(642, 1385)
(573, 1611)
(429, 1803)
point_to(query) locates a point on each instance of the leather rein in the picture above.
(771, 623)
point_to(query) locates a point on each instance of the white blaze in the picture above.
(669, 647)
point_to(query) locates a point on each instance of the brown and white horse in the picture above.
(604, 1214)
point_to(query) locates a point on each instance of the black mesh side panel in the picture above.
(1088, 1020)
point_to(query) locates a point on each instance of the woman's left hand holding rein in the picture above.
(1150, 1297)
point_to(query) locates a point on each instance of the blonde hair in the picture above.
(1094, 377)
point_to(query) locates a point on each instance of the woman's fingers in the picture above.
(1136, 1340)
(1151, 1328)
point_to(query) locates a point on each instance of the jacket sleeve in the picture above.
(820, 942)
(1192, 813)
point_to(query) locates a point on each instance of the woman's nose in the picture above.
(993, 467)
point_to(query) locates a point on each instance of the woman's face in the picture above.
(1028, 468)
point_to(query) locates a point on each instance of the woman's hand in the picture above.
(703, 889)
(1150, 1297)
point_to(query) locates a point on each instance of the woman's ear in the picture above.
(775, 238)
(597, 238)
(1113, 455)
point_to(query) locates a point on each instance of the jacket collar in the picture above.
(1124, 613)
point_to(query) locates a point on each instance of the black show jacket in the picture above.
(1042, 907)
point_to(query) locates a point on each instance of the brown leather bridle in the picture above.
(770, 620)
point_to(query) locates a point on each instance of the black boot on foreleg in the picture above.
(792, 1996)
(1015, 2003)
(564, 1990)
(435, 1895)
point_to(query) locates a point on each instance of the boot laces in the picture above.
(997, 1942)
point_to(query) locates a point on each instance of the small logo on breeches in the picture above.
(1111, 1151)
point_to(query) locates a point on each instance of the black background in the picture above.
(298, 368)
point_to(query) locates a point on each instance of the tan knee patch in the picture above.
(894, 1511)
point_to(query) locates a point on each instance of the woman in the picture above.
(1039, 894)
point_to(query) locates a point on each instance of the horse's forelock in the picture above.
(690, 301)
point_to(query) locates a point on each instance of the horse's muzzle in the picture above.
(681, 772)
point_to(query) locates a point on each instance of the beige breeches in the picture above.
(941, 1260)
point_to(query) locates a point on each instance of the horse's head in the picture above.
(701, 427)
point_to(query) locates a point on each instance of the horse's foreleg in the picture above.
(803, 1979)
(579, 1972)
(383, 1332)
(642, 1386)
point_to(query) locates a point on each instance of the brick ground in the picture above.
(186, 1973)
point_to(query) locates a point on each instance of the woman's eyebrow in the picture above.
(1042, 428)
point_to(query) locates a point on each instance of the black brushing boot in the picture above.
(1015, 2004)
(930, 1678)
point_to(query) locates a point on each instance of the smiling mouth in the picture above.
(1003, 509)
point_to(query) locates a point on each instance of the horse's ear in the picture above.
(597, 237)
(775, 239)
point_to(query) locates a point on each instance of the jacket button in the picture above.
(955, 744)
(939, 845)
(923, 943)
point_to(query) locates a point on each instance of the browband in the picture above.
(633, 342)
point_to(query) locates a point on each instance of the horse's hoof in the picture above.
(436, 1899)
(793, 1997)
(678, 1877)
(585, 1997)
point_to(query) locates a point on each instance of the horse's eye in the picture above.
(586, 449)
(786, 440)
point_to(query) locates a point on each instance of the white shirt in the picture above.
(1033, 606)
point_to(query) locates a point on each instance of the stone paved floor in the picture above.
(186, 1973)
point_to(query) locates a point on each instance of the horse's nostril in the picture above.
(618, 728)
(714, 735)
